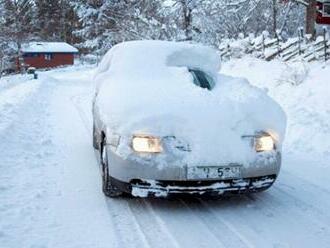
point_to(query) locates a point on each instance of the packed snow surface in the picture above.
(145, 87)
(50, 182)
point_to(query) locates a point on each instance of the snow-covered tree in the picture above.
(96, 25)
(55, 20)
(105, 23)
(16, 23)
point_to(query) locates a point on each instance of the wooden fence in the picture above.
(299, 48)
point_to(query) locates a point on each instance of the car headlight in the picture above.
(264, 143)
(147, 144)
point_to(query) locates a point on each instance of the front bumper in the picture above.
(153, 188)
(126, 170)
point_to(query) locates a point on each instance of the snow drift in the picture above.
(145, 87)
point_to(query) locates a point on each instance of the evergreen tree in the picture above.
(56, 20)
(16, 23)
(48, 19)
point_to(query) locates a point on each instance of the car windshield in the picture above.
(201, 79)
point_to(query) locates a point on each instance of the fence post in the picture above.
(263, 42)
(278, 43)
(325, 43)
(300, 36)
(229, 51)
(1, 66)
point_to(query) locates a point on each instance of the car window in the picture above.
(201, 79)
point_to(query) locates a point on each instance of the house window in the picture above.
(30, 55)
(48, 56)
(326, 9)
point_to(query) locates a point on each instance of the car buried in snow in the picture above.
(166, 122)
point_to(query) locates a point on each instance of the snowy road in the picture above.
(50, 186)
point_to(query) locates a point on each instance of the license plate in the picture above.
(214, 172)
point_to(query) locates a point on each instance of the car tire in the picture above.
(95, 143)
(108, 188)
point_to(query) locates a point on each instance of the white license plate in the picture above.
(214, 172)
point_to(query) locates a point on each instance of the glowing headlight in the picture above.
(264, 143)
(147, 144)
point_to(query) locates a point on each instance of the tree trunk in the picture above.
(1, 66)
(275, 18)
(310, 17)
(20, 57)
(187, 20)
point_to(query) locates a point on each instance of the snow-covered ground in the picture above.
(50, 183)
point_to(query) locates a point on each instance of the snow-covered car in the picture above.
(167, 122)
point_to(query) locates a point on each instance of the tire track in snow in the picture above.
(76, 100)
(151, 225)
(232, 212)
(304, 206)
(301, 194)
(281, 212)
(126, 225)
(307, 209)
(186, 228)
(226, 235)
(295, 184)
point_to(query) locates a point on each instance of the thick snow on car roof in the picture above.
(48, 47)
(141, 56)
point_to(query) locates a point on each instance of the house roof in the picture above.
(48, 47)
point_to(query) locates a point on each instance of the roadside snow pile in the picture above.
(303, 91)
(149, 90)
(14, 91)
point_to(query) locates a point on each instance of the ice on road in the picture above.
(50, 185)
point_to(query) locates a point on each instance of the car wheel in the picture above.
(95, 143)
(108, 189)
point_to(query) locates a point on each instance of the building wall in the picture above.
(325, 17)
(46, 60)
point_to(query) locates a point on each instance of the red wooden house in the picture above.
(47, 54)
(323, 12)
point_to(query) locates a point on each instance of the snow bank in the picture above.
(14, 91)
(149, 90)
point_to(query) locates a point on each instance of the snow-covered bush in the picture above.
(294, 73)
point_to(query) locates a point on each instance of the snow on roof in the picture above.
(50, 47)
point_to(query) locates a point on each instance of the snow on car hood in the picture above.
(146, 88)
